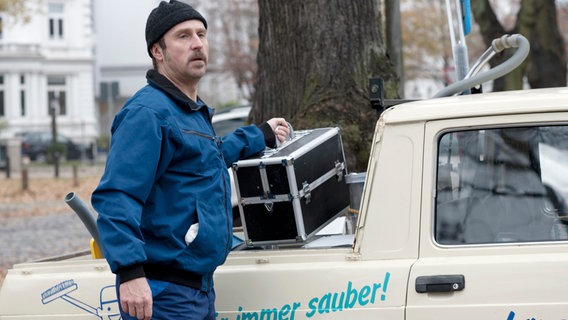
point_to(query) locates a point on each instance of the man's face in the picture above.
(186, 54)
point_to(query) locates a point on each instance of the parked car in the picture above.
(3, 157)
(35, 145)
(227, 120)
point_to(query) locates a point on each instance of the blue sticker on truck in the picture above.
(328, 303)
(107, 305)
(512, 314)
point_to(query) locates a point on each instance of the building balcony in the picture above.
(20, 50)
(45, 51)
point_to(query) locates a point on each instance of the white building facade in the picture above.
(48, 63)
(85, 58)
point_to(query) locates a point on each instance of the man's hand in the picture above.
(136, 298)
(280, 128)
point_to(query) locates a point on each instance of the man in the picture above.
(165, 217)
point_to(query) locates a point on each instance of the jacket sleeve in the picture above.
(131, 168)
(244, 142)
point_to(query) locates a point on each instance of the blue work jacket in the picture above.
(166, 170)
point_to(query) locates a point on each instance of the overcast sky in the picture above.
(120, 36)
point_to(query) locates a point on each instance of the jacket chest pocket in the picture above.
(200, 150)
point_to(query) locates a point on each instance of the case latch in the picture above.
(339, 167)
(307, 192)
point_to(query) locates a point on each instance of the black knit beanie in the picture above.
(167, 15)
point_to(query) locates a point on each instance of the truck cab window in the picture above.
(502, 185)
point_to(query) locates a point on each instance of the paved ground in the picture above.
(31, 238)
(36, 223)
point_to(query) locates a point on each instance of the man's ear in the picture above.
(157, 52)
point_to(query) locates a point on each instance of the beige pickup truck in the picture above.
(463, 215)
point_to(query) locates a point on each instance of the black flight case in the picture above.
(288, 194)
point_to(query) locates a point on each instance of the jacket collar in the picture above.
(157, 80)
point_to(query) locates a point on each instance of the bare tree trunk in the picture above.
(490, 29)
(548, 59)
(314, 62)
(394, 39)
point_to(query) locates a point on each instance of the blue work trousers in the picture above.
(173, 301)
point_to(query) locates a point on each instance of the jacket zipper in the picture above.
(218, 144)
(226, 195)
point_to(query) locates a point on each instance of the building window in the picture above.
(56, 94)
(56, 11)
(22, 95)
(1, 27)
(2, 102)
(22, 103)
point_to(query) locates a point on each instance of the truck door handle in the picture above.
(441, 283)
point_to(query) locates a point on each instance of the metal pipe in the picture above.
(514, 41)
(86, 216)
(482, 61)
